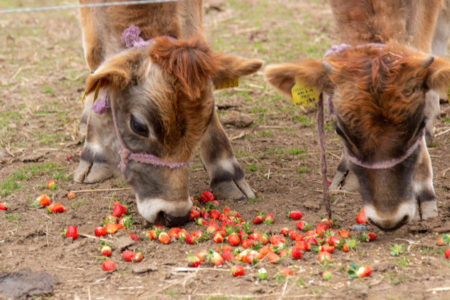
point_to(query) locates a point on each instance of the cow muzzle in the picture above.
(169, 213)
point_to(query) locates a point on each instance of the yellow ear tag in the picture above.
(230, 83)
(97, 88)
(304, 96)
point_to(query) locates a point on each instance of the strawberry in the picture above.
(100, 231)
(174, 232)
(216, 259)
(276, 240)
(361, 217)
(214, 213)
(345, 247)
(295, 215)
(443, 240)
(127, 255)
(296, 253)
(111, 228)
(363, 271)
(372, 236)
(344, 234)
(303, 245)
(55, 208)
(68, 157)
(193, 261)
(326, 248)
(194, 213)
(227, 255)
(119, 209)
(3, 206)
(105, 250)
(237, 270)
(71, 232)
(201, 221)
(202, 255)
(302, 225)
(246, 243)
(333, 240)
(110, 219)
(133, 236)
(108, 265)
(286, 272)
(284, 231)
(233, 239)
(126, 221)
(205, 215)
(327, 275)
(268, 219)
(273, 258)
(43, 200)
(324, 257)
(262, 274)
(211, 230)
(447, 253)
(164, 238)
(259, 218)
(151, 235)
(218, 238)
(51, 185)
(71, 195)
(138, 257)
(206, 196)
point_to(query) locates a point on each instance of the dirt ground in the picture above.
(42, 72)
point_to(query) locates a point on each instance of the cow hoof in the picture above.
(88, 172)
(346, 181)
(233, 189)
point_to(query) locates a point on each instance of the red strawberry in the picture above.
(126, 221)
(227, 255)
(193, 261)
(246, 243)
(151, 235)
(133, 236)
(164, 238)
(106, 250)
(111, 228)
(326, 248)
(296, 253)
(110, 219)
(138, 257)
(216, 259)
(51, 185)
(100, 231)
(344, 234)
(218, 238)
(194, 213)
(68, 157)
(3, 206)
(206, 196)
(214, 213)
(295, 215)
(284, 231)
(333, 240)
(71, 232)
(119, 210)
(324, 257)
(108, 265)
(303, 245)
(202, 255)
(364, 271)
(71, 195)
(301, 225)
(268, 219)
(43, 200)
(201, 221)
(272, 257)
(372, 236)
(233, 239)
(259, 218)
(447, 253)
(237, 270)
(174, 232)
(286, 272)
(345, 247)
(55, 208)
(127, 255)
(276, 240)
(361, 217)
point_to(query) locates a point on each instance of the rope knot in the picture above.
(124, 158)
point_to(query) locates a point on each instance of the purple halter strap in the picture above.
(126, 154)
(387, 164)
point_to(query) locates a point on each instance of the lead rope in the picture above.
(323, 159)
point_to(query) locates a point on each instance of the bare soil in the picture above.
(42, 72)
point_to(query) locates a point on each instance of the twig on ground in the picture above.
(93, 237)
(101, 190)
(443, 132)
(439, 289)
(445, 172)
(283, 292)
(236, 137)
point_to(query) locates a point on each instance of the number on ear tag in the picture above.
(304, 96)
(234, 82)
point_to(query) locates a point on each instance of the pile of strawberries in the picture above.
(239, 242)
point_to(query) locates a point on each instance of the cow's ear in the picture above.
(114, 73)
(231, 67)
(190, 61)
(439, 74)
(308, 72)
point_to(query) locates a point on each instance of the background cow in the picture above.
(380, 84)
(164, 105)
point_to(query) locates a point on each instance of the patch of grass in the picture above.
(300, 282)
(12, 182)
(47, 90)
(78, 204)
(173, 293)
(302, 170)
(60, 176)
(253, 168)
(402, 261)
(9, 117)
(12, 217)
(305, 121)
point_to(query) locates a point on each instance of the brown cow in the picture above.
(160, 93)
(380, 83)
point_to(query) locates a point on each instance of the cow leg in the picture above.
(431, 111)
(96, 159)
(344, 179)
(227, 177)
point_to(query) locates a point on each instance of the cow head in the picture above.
(379, 98)
(163, 103)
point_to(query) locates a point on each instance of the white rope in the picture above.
(77, 6)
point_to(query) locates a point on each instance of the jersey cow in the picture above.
(380, 85)
(153, 76)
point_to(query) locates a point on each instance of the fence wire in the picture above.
(78, 6)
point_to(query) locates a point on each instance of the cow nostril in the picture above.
(172, 221)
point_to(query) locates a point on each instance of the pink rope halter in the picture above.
(387, 164)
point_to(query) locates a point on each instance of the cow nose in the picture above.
(389, 221)
(173, 221)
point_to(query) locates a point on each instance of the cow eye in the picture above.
(138, 127)
(339, 131)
